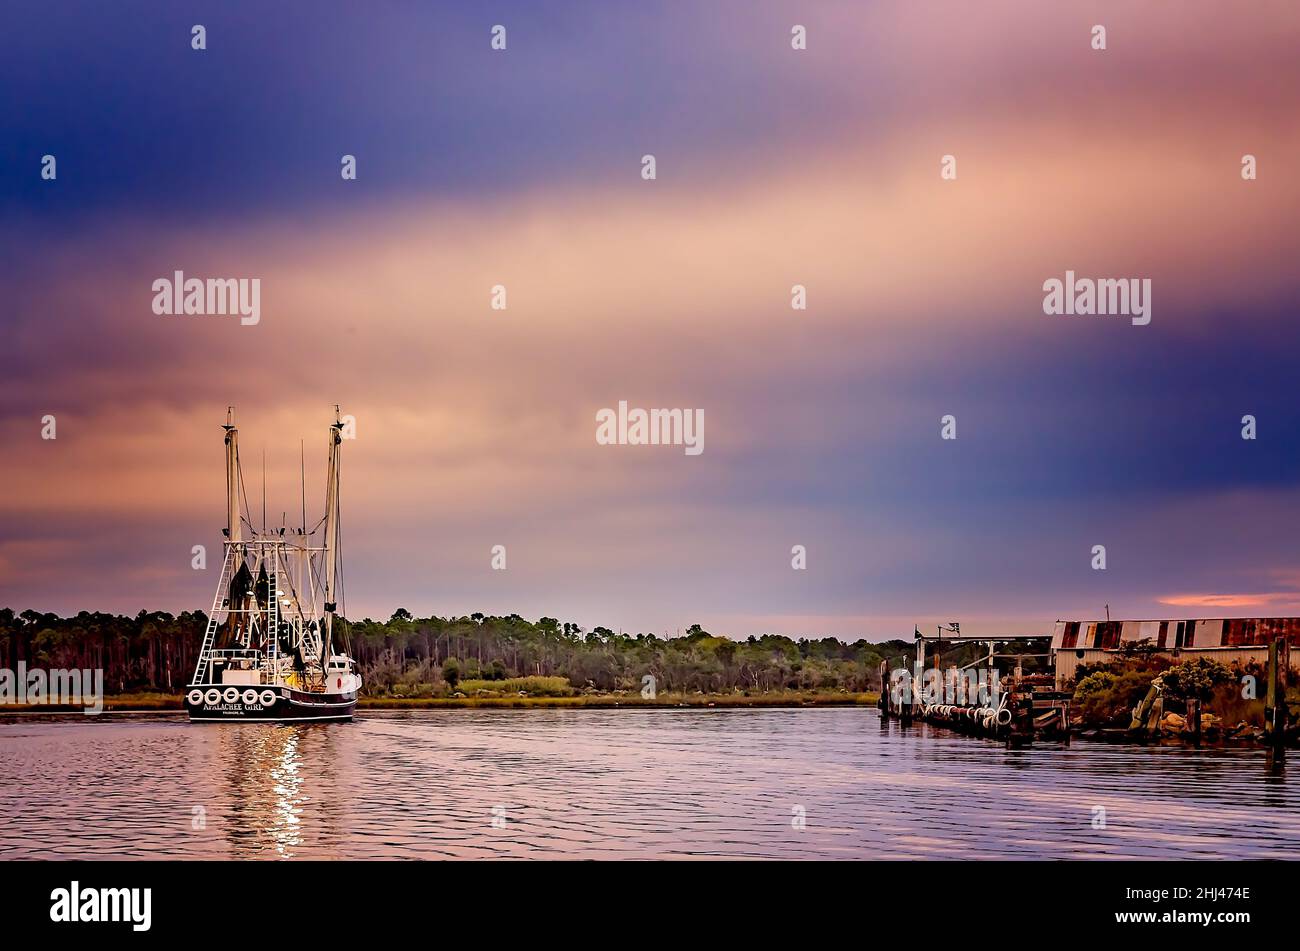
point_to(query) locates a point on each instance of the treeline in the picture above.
(407, 651)
(407, 655)
(154, 650)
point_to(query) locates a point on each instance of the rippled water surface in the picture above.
(801, 783)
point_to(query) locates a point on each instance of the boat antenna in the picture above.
(302, 481)
(263, 490)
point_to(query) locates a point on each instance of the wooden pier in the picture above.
(977, 698)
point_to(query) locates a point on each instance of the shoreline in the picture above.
(616, 701)
(173, 703)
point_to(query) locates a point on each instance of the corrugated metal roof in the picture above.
(1170, 633)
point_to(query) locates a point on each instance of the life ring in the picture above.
(250, 697)
(340, 683)
(231, 695)
(213, 696)
(267, 698)
(195, 697)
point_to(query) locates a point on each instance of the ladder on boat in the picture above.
(310, 649)
(272, 656)
(204, 665)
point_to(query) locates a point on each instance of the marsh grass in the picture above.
(141, 700)
(532, 686)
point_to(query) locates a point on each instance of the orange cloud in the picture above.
(1231, 600)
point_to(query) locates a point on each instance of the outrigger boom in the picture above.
(268, 649)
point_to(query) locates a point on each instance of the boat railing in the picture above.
(237, 654)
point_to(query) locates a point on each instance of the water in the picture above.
(620, 783)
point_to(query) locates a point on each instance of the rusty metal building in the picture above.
(1223, 639)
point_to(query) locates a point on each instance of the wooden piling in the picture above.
(1275, 708)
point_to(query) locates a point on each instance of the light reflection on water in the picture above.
(621, 783)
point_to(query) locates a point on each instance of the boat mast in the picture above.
(232, 478)
(331, 534)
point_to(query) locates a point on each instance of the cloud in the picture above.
(1273, 599)
(476, 427)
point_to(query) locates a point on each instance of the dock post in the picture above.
(903, 708)
(918, 680)
(884, 688)
(1275, 709)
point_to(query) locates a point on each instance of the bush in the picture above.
(1106, 698)
(1142, 663)
(1097, 682)
(1195, 679)
(451, 671)
(1231, 707)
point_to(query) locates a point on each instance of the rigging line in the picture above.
(292, 590)
(314, 580)
(239, 467)
(338, 534)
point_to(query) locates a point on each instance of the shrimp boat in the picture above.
(268, 651)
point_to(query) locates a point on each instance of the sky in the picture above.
(522, 167)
